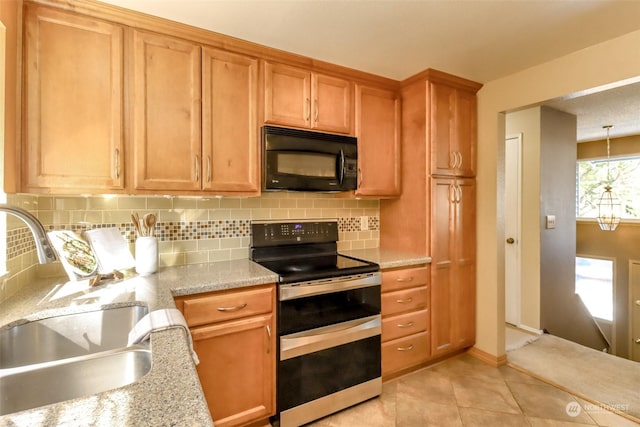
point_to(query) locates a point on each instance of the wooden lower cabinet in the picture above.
(234, 336)
(405, 319)
(453, 264)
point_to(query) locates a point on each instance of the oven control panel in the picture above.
(291, 233)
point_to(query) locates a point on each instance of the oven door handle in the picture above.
(306, 342)
(319, 287)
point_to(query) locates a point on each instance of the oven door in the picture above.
(345, 371)
(312, 305)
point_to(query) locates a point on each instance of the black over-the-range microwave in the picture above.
(299, 160)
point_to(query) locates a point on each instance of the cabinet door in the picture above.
(230, 144)
(443, 212)
(453, 131)
(465, 254)
(441, 102)
(465, 132)
(287, 96)
(73, 71)
(237, 369)
(378, 132)
(332, 103)
(166, 113)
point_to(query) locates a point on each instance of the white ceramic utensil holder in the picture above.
(146, 255)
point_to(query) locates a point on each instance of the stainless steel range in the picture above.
(328, 319)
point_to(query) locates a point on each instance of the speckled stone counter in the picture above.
(388, 258)
(170, 394)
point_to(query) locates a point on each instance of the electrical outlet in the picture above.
(551, 222)
(364, 223)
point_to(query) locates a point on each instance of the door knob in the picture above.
(510, 241)
(638, 341)
(637, 302)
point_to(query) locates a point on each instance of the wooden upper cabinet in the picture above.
(230, 141)
(299, 98)
(378, 132)
(453, 130)
(73, 78)
(166, 125)
(287, 95)
(332, 103)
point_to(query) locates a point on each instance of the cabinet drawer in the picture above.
(200, 310)
(405, 300)
(406, 324)
(405, 278)
(405, 352)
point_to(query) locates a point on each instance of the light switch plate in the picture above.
(551, 221)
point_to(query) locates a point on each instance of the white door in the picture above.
(513, 215)
(634, 309)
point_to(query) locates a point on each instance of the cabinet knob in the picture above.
(511, 240)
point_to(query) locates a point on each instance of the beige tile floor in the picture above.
(464, 391)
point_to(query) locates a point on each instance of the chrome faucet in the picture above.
(43, 246)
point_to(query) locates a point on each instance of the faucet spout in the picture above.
(43, 246)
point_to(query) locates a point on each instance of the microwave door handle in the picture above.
(341, 171)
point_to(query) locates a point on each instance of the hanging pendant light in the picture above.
(609, 207)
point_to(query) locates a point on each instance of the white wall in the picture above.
(597, 66)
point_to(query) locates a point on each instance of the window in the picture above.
(594, 284)
(591, 177)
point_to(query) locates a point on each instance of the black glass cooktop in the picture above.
(317, 267)
(303, 250)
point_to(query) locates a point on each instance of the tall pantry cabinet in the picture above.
(435, 215)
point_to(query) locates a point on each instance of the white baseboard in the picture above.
(530, 329)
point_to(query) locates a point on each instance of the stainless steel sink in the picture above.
(37, 385)
(67, 336)
(64, 357)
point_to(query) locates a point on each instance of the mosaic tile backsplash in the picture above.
(189, 229)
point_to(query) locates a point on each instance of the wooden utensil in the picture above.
(136, 223)
(149, 222)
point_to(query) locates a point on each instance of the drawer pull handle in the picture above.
(405, 325)
(404, 301)
(236, 308)
(400, 279)
(408, 348)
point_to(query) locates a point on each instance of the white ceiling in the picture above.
(481, 40)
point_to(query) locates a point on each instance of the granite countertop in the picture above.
(170, 394)
(388, 258)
